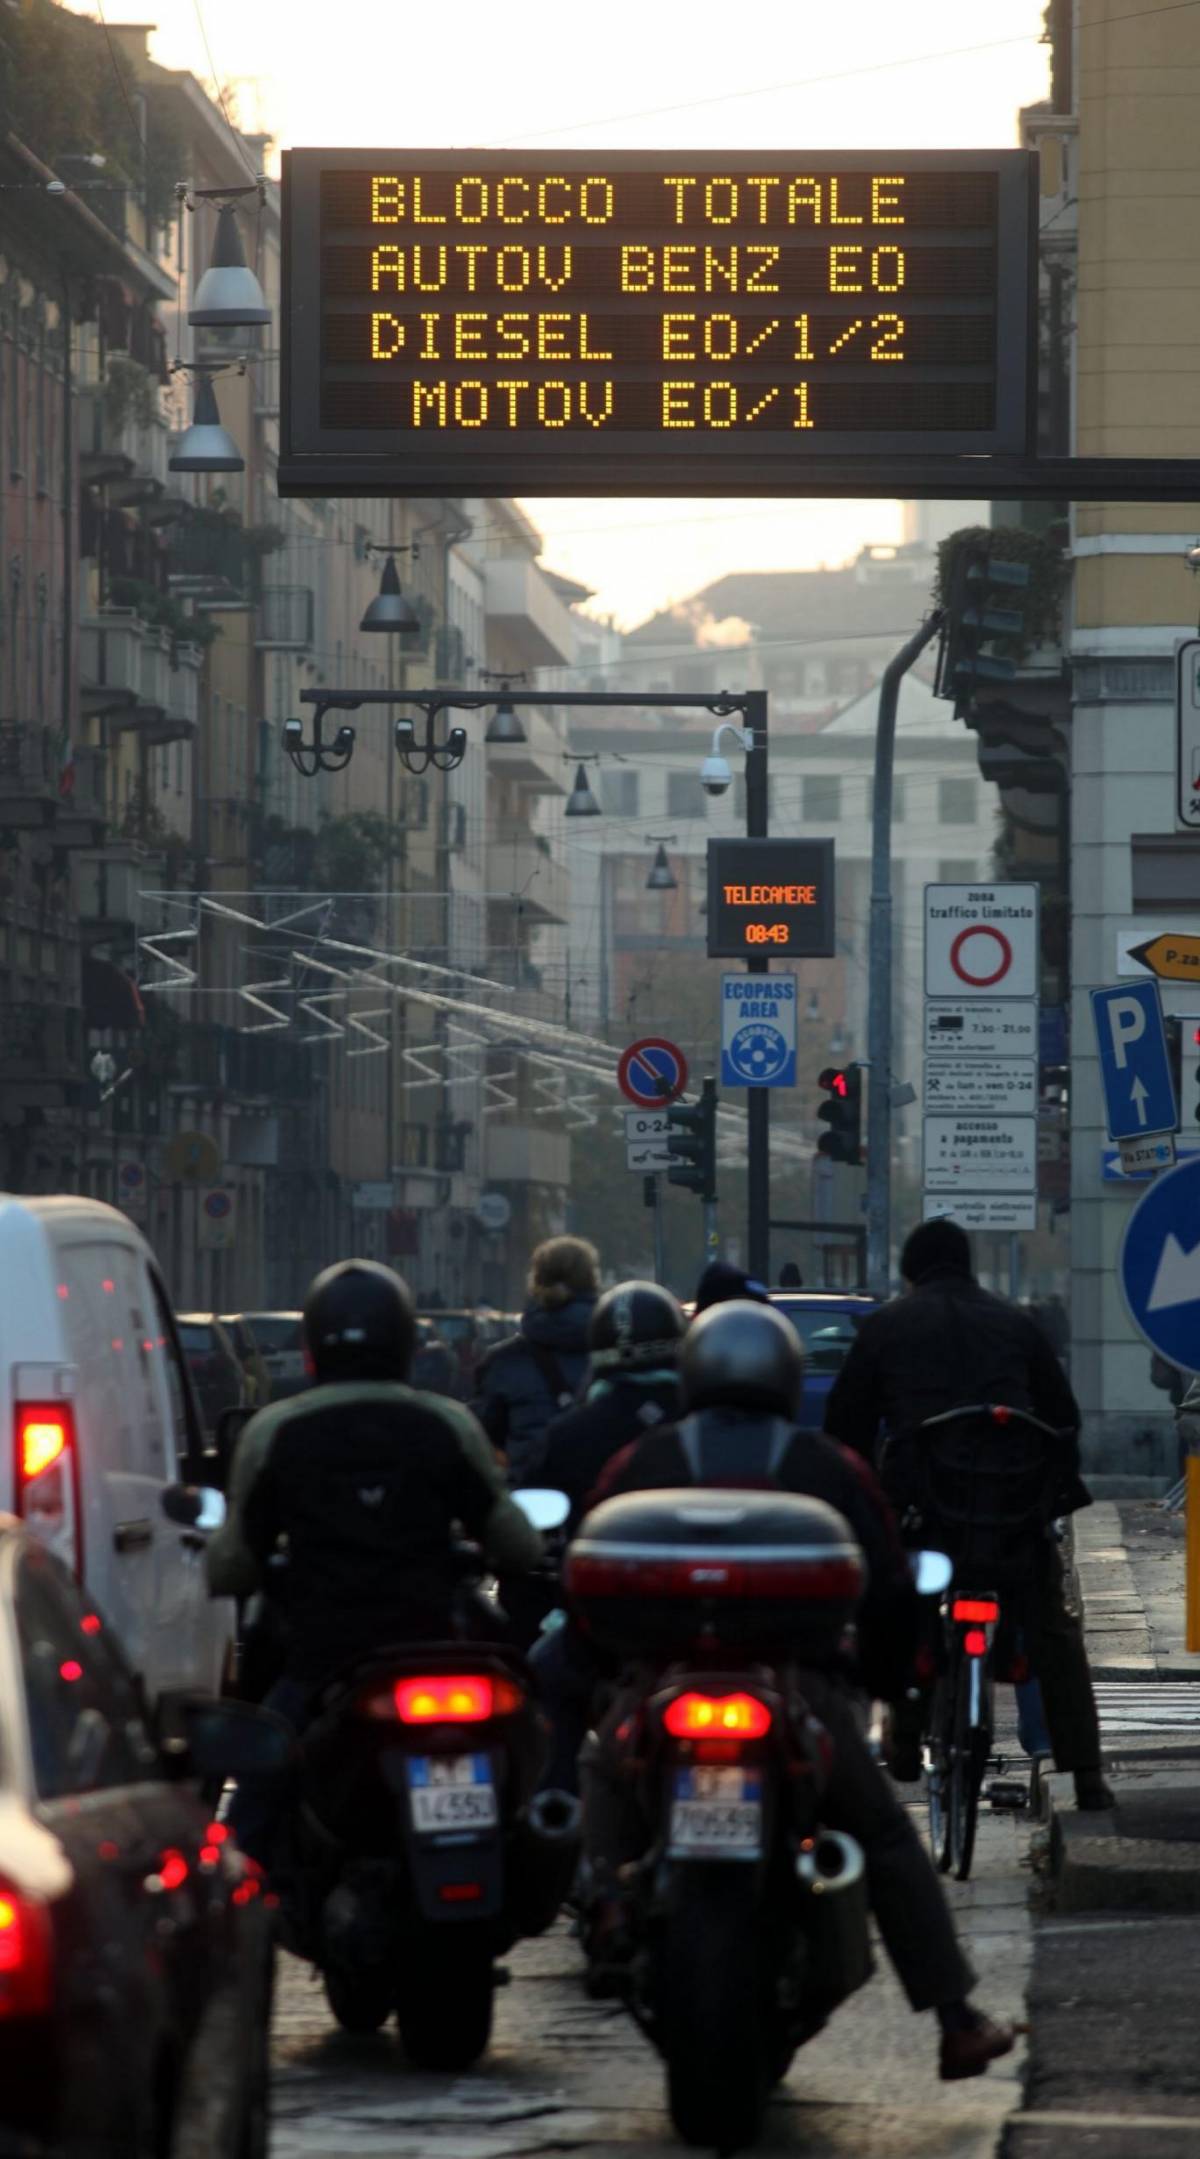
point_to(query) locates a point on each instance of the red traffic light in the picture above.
(836, 1082)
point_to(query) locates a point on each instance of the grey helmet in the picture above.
(742, 1356)
(636, 1327)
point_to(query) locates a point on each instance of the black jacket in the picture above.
(529, 1379)
(581, 1442)
(947, 1343)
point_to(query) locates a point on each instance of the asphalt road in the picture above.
(568, 2075)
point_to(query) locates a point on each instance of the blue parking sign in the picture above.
(1135, 1069)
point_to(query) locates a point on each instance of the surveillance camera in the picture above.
(293, 732)
(56, 187)
(715, 775)
(1192, 556)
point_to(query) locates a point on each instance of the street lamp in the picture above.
(662, 877)
(389, 611)
(206, 446)
(581, 802)
(229, 296)
(505, 724)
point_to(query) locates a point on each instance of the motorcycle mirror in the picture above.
(212, 1509)
(544, 1508)
(934, 1573)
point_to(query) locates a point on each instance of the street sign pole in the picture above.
(660, 1262)
(758, 1099)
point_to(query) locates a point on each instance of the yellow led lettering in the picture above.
(727, 214)
(429, 393)
(564, 269)
(470, 403)
(886, 345)
(845, 272)
(637, 268)
(387, 336)
(469, 341)
(760, 405)
(585, 350)
(674, 408)
(720, 337)
(887, 269)
(591, 212)
(761, 337)
(514, 268)
(800, 392)
(547, 215)
(554, 403)
(387, 260)
(595, 419)
(429, 349)
(471, 210)
(841, 217)
(552, 337)
(763, 182)
(845, 337)
(513, 391)
(425, 280)
(679, 184)
(387, 199)
(760, 279)
(679, 267)
(422, 216)
(720, 404)
(803, 348)
(804, 194)
(720, 264)
(472, 254)
(512, 337)
(678, 341)
(884, 205)
(506, 215)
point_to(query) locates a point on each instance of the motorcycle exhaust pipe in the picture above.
(831, 1876)
(546, 1848)
(830, 1864)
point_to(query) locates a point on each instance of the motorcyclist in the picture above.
(526, 1380)
(741, 1370)
(633, 1385)
(945, 1343)
(361, 1486)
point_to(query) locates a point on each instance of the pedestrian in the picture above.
(528, 1379)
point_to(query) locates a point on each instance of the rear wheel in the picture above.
(715, 2024)
(360, 2001)
(445, 2008)
(938, 1769)
(971, 1747)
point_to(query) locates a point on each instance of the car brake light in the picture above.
(977, 1611)
(717, 1716)
(46, 1471)
(26, 1956)
(975, 1642)
(445, 1698)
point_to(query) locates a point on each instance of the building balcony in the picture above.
(83, 800)
(132, 456)
(29, 776)
(111, 885)
(41, 1047)
(210, 561)
(285, 619)
(537, 763)
(110, 660)
(520, 864)
(519, 601)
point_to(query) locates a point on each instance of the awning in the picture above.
(111, 998)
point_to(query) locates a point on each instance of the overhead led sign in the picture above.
(488, 322)
(770, 897)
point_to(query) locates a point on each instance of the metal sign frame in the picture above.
(786, 862)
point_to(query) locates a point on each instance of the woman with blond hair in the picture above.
(528, 1379)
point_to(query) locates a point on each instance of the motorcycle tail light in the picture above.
(26, 1956)
(976, 1611)
(975, 1642)
(444, 1698)
(717, 1716)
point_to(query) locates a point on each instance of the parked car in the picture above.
(826, 1325)
(97, 1416)
(467, 1333)
(256, 1387)
(215, 1365)
(135, 1949)
(280, 1338)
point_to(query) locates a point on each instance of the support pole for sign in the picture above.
(1192, 1641)
(758, 1099)
(660, 1258)
(879, 995)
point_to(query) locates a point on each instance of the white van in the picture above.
(97, 1417)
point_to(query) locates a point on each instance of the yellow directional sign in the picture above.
(1171, 958)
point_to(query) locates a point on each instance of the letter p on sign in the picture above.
(1127, 1023)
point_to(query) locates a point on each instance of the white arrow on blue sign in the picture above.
(1134, 1065)
(1160, 1266)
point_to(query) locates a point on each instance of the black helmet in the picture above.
(359, 1322)
(634, 1328)
(743, 1355)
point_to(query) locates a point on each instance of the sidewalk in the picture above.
(1145, 1852)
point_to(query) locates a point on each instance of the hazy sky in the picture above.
(745, 74)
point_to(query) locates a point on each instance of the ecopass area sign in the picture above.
(487, 322)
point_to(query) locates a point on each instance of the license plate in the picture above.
(451, 1791)
(716, 1814)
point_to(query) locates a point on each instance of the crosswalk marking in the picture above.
(1153, 1706)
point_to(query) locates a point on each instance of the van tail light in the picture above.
(444, 1698)
(26, 1956)
(976, 1611)
(46, 1478)
(717, 1716)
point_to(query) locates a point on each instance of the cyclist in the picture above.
(948, 1343)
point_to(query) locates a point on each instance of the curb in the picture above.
(1095, 1870)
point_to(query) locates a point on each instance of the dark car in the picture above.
(826, 1326)
(280, 1337)
(467, 1333)
(214, 1363)
(256, 1380)
(135, 1956)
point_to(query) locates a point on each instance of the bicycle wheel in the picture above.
(938, 1757)
(970, 1748)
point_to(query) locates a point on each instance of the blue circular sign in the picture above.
(1160, 1266)
(758, 1051)
(652, 1072)
(217, 1205)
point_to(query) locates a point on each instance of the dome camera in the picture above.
(715, 775)
(293, 734)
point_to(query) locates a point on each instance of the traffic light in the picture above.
(974, 620)
(692, 1139)
(842, 1113)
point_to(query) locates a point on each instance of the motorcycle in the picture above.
(418, 1848)
(744, 1917)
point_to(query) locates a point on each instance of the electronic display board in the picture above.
(770, 899)
(491, 322)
